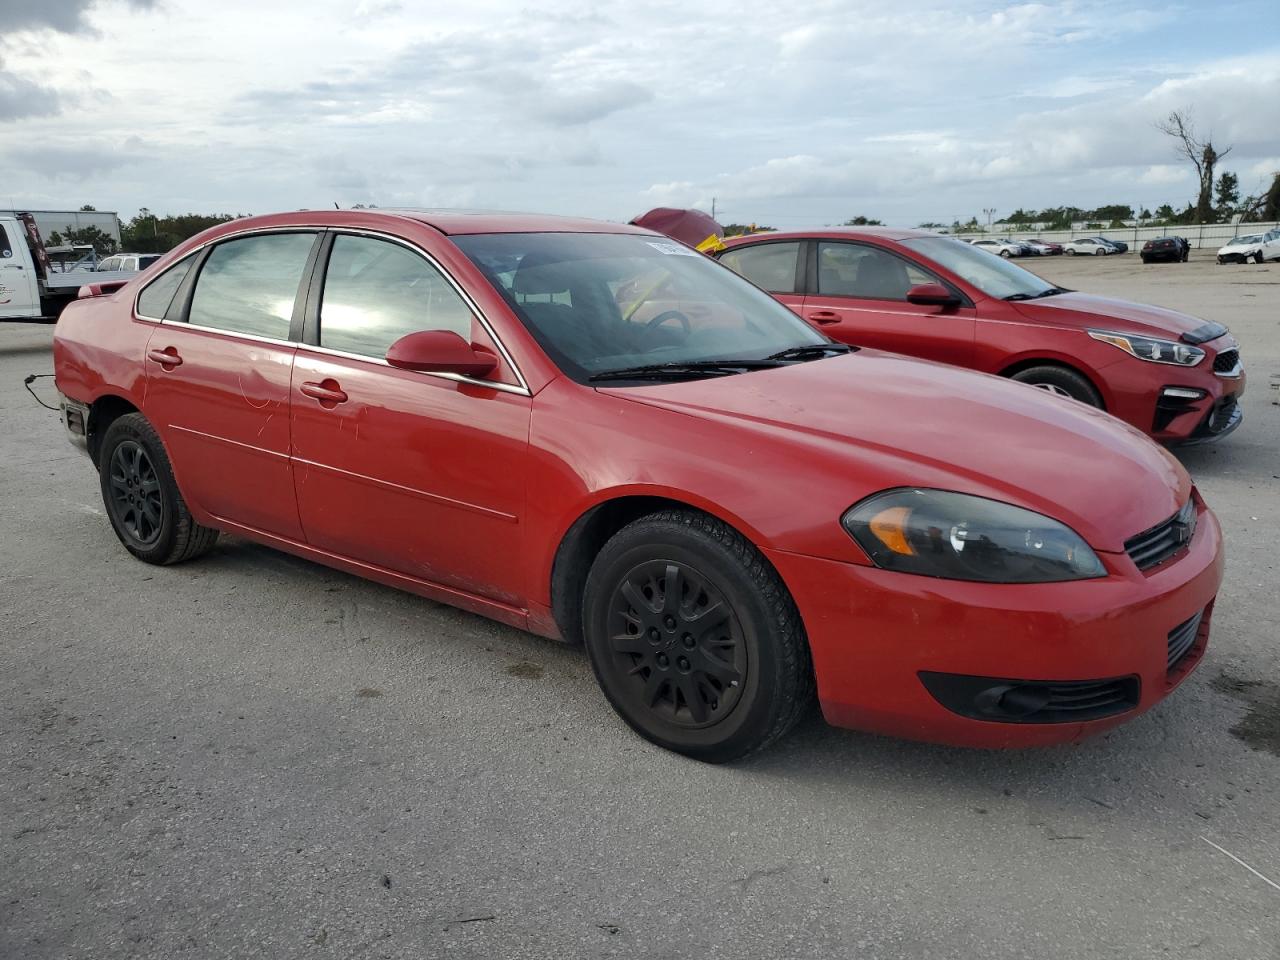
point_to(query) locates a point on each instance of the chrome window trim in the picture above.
(522, 388)
(456, 377)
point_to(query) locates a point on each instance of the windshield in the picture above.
(994, 276)
(606, 302)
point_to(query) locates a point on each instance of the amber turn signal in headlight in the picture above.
(937, 533)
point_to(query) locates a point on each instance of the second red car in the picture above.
(1175, 377)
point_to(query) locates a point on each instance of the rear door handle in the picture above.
(167, 358)
(824, 316)
(327, 391)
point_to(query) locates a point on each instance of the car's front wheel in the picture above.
(1257, 257)
(1060, 381)
(143, 503)
(694, 638)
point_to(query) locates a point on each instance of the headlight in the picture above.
(1148, 348)
(936, 533)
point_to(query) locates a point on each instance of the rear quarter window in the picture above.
(770, 266)
(249, 284)
(157, 296)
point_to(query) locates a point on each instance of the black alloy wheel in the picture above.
(143, 502)
(135, 503)
(675, 637)
(694, 638)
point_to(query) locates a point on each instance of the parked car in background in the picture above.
(1166, 249)
(1174, 377)
(593, 432)
(1271, 245)
(1242, 249)
(1119, 246)
(1043, 248)
(129, 261)
(1089, 246)
(1002, 247)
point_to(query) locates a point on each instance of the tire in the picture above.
(1146, 259)
(1070, 253)
(1257, 257)
(715, 691)
(1099, 252)
(1062, 381)
(1006, 254)
(143, 503)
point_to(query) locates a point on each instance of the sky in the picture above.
(783, 114)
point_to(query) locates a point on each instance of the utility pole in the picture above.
(988, 211)
(713, 208)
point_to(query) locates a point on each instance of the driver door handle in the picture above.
(824, 316)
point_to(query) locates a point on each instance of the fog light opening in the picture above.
(1012, 700)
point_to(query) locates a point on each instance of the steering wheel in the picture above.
(666, 315)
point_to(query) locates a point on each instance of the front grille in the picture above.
(1182, 638)
(1226, 361)
(1155, 546)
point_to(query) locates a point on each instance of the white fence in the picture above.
(1201, 236)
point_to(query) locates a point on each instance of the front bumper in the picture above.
(873, 633)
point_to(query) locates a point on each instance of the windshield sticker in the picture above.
(672, 249)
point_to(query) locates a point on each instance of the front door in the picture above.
(218, 383)
(422, 474)
(861, 299)
(18, 292)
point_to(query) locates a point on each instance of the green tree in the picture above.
(147, 233)
(1271, 202)
(861, 221)
(88, 208)
(742, 229)
(1227, 193)
(103, 243)
(1114, 211)
(1165, 213)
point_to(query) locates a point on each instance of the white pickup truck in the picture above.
(29, 290)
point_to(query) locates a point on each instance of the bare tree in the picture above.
(1201, 153)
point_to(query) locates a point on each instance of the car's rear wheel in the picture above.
(694, 639)
(1005, 254)
(143, 503)
(1099, 252)
(1060, 381)
(1257, 257)
(1070, 252)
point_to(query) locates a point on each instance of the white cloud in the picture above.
(780, 113)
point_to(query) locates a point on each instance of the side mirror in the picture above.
(932, 295)
(440, 351)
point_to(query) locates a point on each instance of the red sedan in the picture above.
(591, 432)
(1175, 377)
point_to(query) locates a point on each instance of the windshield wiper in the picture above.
(664, 371)
(810, 351)
(1051, 292)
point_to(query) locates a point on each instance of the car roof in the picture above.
(454, 222)
(837, 233)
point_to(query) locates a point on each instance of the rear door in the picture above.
(19, 295)
(218, 371)
(772, 265)
(860, 297)
(422, 474)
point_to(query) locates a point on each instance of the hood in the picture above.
(1083, 310)
(875, 421)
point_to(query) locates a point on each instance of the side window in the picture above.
(249, 285)
(154, 300)
(770, 266)
(6, 247)
(376, 291)
(859, 270)
(111, 263)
